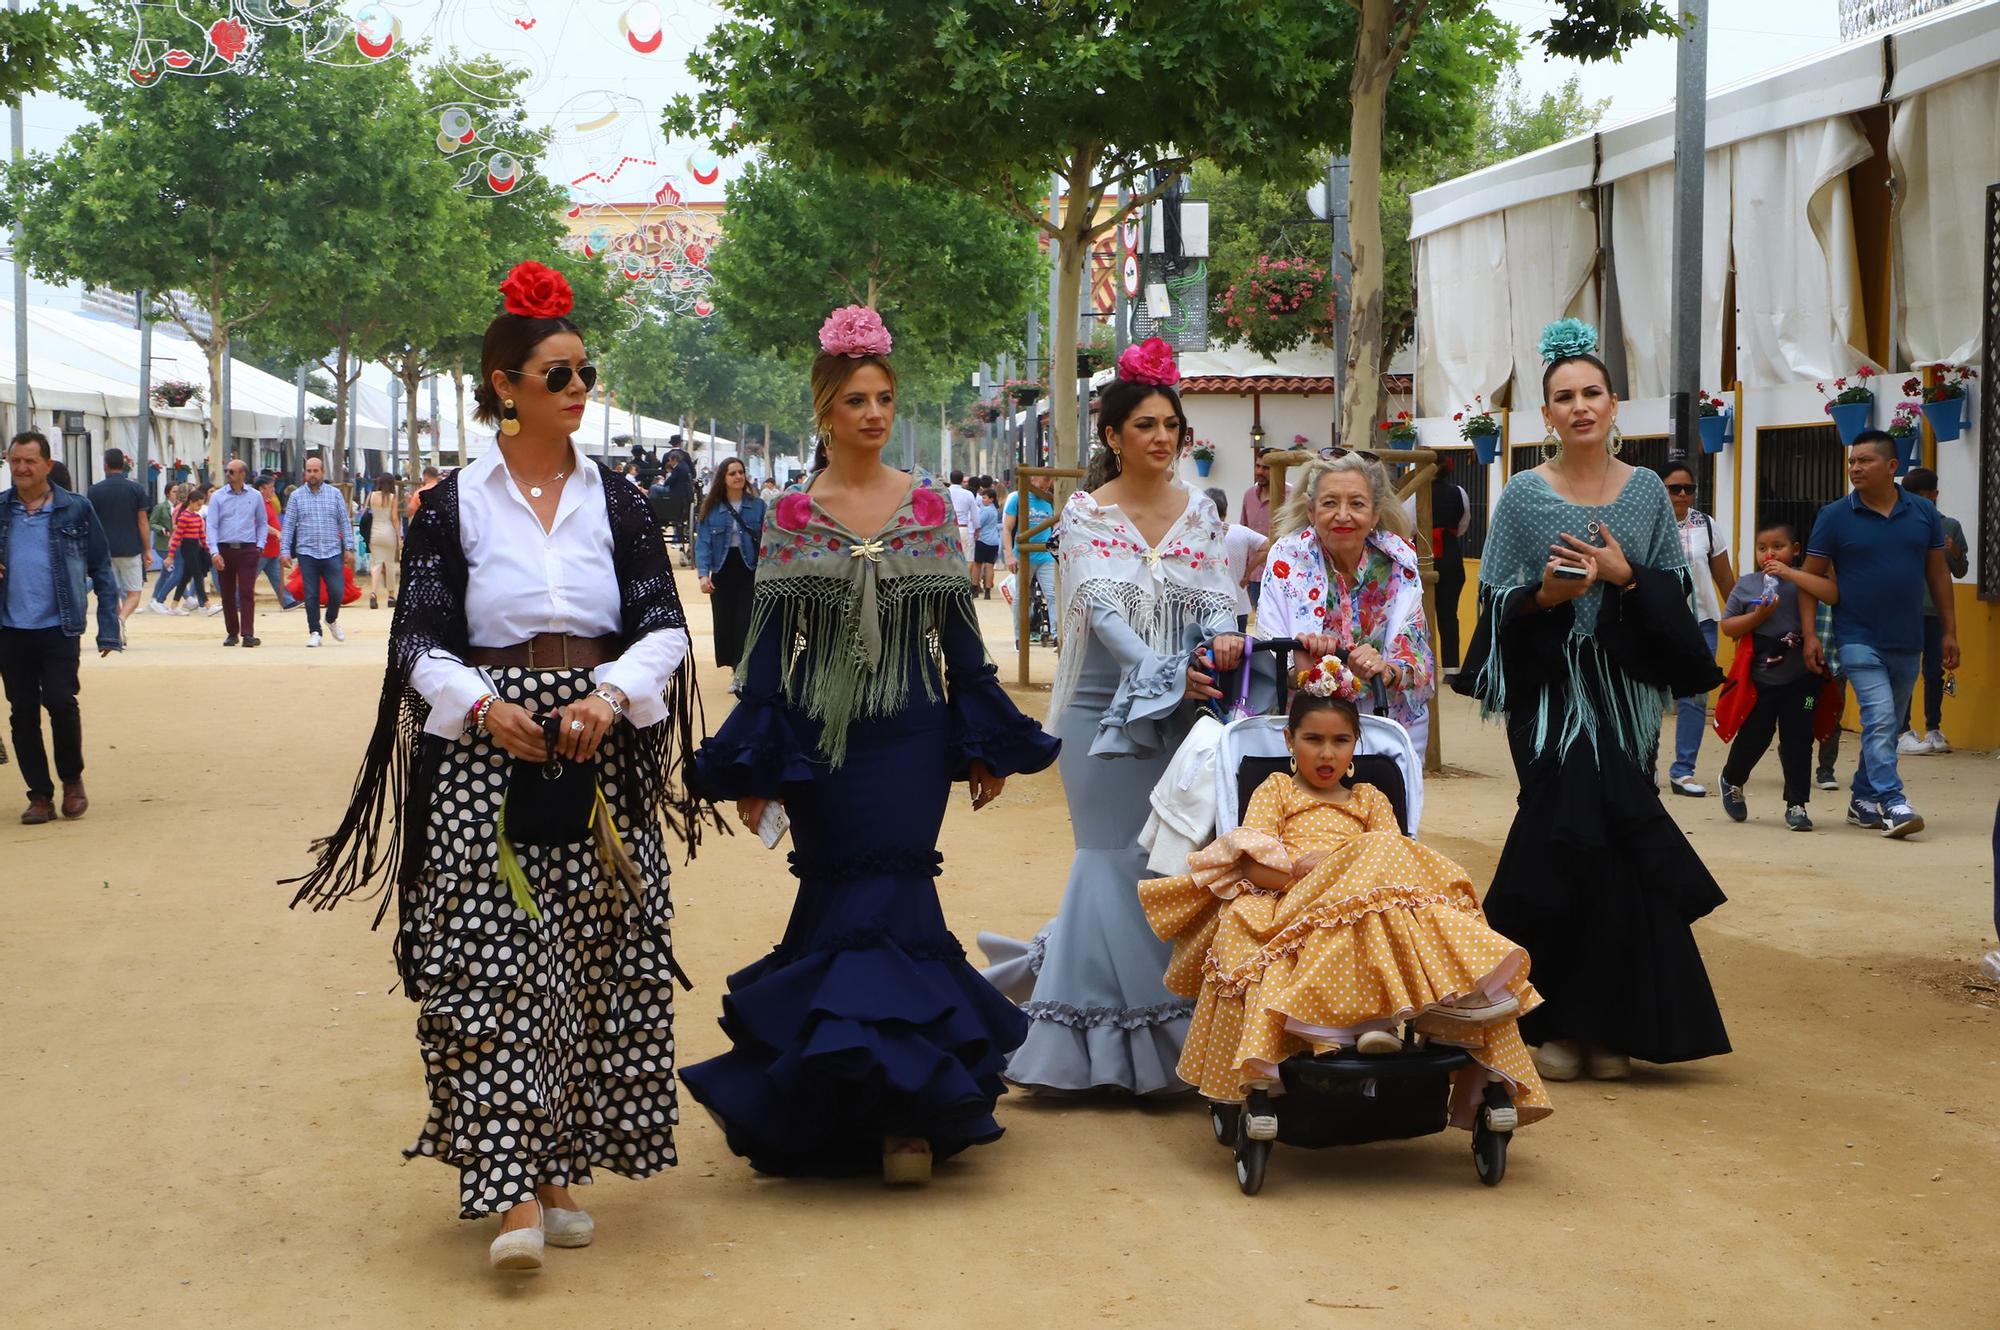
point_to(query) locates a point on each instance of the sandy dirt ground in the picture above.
(205, 1094)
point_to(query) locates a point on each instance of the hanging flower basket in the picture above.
(175, 393)
(1903, 429)
(1204, 456)
(1477, 427)
(1023, 391)
(1090, 359)
(986, 412)
(1279, 304)
(322, 415)
(1715, 423)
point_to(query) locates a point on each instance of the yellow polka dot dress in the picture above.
(1378, 930)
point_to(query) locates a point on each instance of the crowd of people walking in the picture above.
(538, 742)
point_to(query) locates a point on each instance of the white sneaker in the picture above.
(1909, 744)
(1937, 741)
(212, 610)
(339, 633)
(157, 607)
(312, 639)
(568, 1228)
(180, 610)
(517, 1249)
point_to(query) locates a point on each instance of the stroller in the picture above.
(1343, 1098)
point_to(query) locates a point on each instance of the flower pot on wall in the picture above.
(1850, 418)
(1202, 464)
(1714, 430)
(1487, 448)
(1947, 418)
(1906, 450)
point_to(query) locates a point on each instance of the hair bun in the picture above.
(1567, 337)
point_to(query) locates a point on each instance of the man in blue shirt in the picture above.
(238, 521)
(1883, 547)
(51, 547)
(318, 536)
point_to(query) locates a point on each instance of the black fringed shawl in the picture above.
(382, 838)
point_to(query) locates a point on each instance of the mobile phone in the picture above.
(772, 826)
(1574, 571)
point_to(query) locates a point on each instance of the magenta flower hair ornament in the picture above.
(1150, 361)
(854, 330)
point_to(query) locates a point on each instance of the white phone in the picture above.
(1574, 571)
(771, 827)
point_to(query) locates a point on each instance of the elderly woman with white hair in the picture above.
(1342, 576)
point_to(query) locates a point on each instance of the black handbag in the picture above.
(549, 803)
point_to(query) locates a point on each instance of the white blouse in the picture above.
(523, 580)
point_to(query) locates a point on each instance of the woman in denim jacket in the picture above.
(727, 529)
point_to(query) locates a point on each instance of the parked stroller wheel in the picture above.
(1251, 1156)
(1489, 1154)
(1223, 1118)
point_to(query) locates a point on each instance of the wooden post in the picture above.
(1031, 538)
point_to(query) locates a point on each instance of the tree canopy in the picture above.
(38, 46)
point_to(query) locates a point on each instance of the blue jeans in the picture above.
(312, 573)
(272, 566)
(1882, 683)
(1691, 718)
(168, 568)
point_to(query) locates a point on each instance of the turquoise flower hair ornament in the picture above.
(1567, 337)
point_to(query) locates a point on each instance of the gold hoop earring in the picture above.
(1617, 442)
(1552, 446)
(510, 421)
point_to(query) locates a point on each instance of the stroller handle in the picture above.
(1281, 649)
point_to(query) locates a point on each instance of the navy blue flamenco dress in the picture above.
(865, 1021)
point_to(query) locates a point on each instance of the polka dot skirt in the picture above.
(1381, 930)
(548, 1044)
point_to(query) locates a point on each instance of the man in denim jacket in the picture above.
(51, 545)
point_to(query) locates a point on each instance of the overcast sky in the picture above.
(605, 96)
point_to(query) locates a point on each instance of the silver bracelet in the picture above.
(610, 700)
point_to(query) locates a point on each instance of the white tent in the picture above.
(87, 369)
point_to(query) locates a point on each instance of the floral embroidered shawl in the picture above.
(1384, 608)
(1160, 591)
(859, 609)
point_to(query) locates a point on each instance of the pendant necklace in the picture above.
(535, 491)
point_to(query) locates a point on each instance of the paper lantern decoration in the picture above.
(503, 172)
(456, 128)
(643, 28)
(376, 31)
(704, 166)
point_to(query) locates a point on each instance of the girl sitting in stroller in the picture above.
(1318, 926)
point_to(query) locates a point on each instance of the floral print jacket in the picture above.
(1383, 608)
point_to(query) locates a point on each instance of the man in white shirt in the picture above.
(1707, 551)
(1247, 547)
(965, 508)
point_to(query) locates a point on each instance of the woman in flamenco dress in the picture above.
(864, 1040)
(1584, 636)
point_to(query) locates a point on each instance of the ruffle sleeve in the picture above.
(986, 726)
(757, 751)
(1151, 689)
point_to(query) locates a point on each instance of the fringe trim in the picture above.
(1164, 619)
(1600, 701)
(827, 672)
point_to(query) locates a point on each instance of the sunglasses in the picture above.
(1680, 489)
(1336, 452)
(558, 376)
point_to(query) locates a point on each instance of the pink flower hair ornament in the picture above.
(1150, 361)
(856, 331)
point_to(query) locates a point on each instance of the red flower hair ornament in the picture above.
(537, 291)
(1150, 361)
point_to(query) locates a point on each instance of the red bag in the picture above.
(1739, 696)
(295, 587)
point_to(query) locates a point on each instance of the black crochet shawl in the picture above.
(383, 836)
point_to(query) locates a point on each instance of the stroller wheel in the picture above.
(1251, 1156)
(1223, 1119)
(1489, 1153)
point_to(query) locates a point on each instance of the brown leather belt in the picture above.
(549, 651)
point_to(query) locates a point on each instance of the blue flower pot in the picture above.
(1713, 428)
(1487, 448)
(1906, 450)
(1850, 418)
(1202, 465)
(1946, 418)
